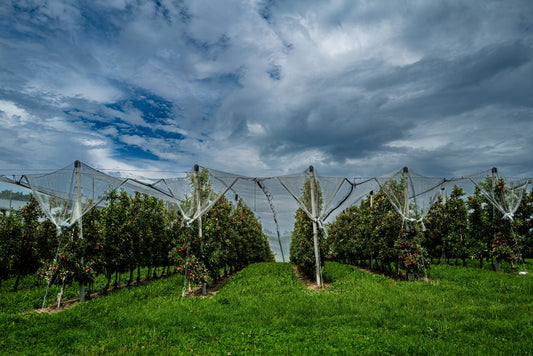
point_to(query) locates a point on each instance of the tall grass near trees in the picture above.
(265, 309)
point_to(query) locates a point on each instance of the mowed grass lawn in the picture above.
(265, 309)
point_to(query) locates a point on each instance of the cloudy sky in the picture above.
(355, 88)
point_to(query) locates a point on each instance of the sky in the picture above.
(260, 88)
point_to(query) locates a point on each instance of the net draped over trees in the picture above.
(397, 220)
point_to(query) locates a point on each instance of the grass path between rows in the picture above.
(265, 309)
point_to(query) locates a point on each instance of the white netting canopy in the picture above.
(67, 194)
(411, 194)
(505, 193)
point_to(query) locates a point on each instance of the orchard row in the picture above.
(457, 228)
(129, 234)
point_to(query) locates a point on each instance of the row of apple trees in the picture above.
(456, 229)
(135, 234)
(371, 234)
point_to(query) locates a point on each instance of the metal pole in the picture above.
(77, 207)
(315, 228)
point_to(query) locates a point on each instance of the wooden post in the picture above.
(315, 227)
(78, 212)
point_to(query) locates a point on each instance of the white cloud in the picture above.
(12, 114)
(65, 85)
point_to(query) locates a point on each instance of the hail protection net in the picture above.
(505, 193)
(275, 200)
(351, 192)
(196, 192)
(411, 194)
(272, 206)
(331, 194)
(67, 194)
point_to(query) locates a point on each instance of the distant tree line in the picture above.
(11, 195)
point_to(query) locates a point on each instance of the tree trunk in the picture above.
(115, 285)
(60, 294)
(131, 276)
(108, 276)
(17, 280)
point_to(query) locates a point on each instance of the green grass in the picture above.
(264, 309)
(30, 297)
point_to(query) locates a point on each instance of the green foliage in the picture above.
(11, 231)
(24, 242)
(128, 234)
(231, 238)
(523, 228)
(436, 231)
(475, 229)
(344, 244)
(374, 236)
(456, 214)
(116, 231)
(302, 249)
(250, 244)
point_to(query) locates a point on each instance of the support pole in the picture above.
(78, 214)
(199, 218)
(405, 191)
(315, 228)
(494, 177)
